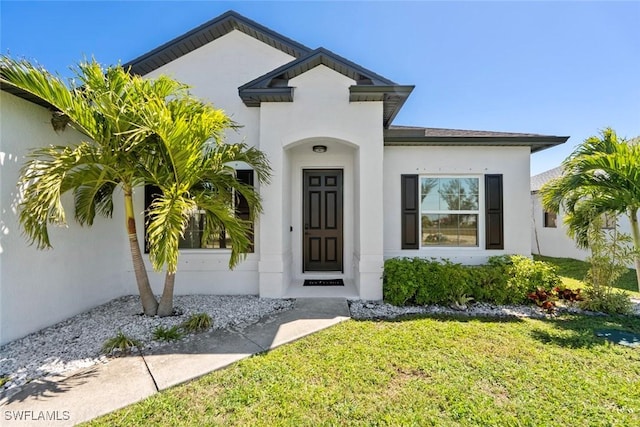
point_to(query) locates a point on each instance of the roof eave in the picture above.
(254, 97)
(537, 143)
(393, 97)
(27, 96)
(204, 34)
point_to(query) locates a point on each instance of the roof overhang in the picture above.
(274, 86)
(254, 97)
(208, 32)
(417, 137)
(393, 98)
(28, 96)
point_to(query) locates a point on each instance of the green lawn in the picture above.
(573, 271)
(420, 371)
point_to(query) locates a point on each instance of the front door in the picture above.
(322, 220)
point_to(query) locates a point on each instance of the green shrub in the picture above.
(422, 281)
(504, 280)
(433, 285)
(162, 333)
(400, 280)
(442, 282)
(197, 323)
(605, 300)
(489, 283)
(527, 276)
(120, 342)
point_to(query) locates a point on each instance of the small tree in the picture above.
(610, 254)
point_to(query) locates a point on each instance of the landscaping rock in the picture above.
(77, 342)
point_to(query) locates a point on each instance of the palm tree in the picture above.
(112, 108)
(602, 176)
(191, 168)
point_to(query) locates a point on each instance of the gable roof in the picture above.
(413, 135)
(537, 181)
(208, 32)
(273, 86)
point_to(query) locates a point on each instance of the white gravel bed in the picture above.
(378, 310)
(77, 342)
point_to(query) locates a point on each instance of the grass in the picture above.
(197, 323)
(162, 333)
(121, 342)
(573, 271)
(420, 371)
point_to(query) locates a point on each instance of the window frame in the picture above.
(479, 212)
(546, 216)
(249, 179)
(609, 221)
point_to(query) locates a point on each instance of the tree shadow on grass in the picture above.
(579, 331)
(444, 317)
(577, 270)
(568, 330)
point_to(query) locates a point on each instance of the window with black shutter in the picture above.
(445, 211)
(192, 238)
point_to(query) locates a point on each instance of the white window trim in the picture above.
(480, 212)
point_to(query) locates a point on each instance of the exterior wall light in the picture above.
(319, 148)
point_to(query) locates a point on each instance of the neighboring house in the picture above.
(349, 189)
(549, 233)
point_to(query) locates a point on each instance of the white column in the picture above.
(370, 220)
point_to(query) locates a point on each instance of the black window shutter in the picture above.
(410, 212)
(150, 193)
(242, 206)
(494, 211)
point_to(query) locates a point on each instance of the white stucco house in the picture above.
(349, 188)
(549, 233)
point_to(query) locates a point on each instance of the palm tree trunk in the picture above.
(166, 302)
(635, 233)
(149, 303)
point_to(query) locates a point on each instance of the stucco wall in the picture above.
(85, 268)
(217, 69)
(321, 113)
(512, 162)
(214, 72)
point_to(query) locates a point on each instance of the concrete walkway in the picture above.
(95, 391)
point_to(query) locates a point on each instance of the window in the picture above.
(449, 211)
(550, 219)
(445, 211)
(609, 221)
(192, 238)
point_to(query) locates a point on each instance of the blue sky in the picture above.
(559, 68)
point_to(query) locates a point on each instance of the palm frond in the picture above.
(601, 176)
(169, 215)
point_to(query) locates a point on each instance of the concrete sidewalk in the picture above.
(91, 392)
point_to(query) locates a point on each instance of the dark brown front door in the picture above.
(322, 220)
